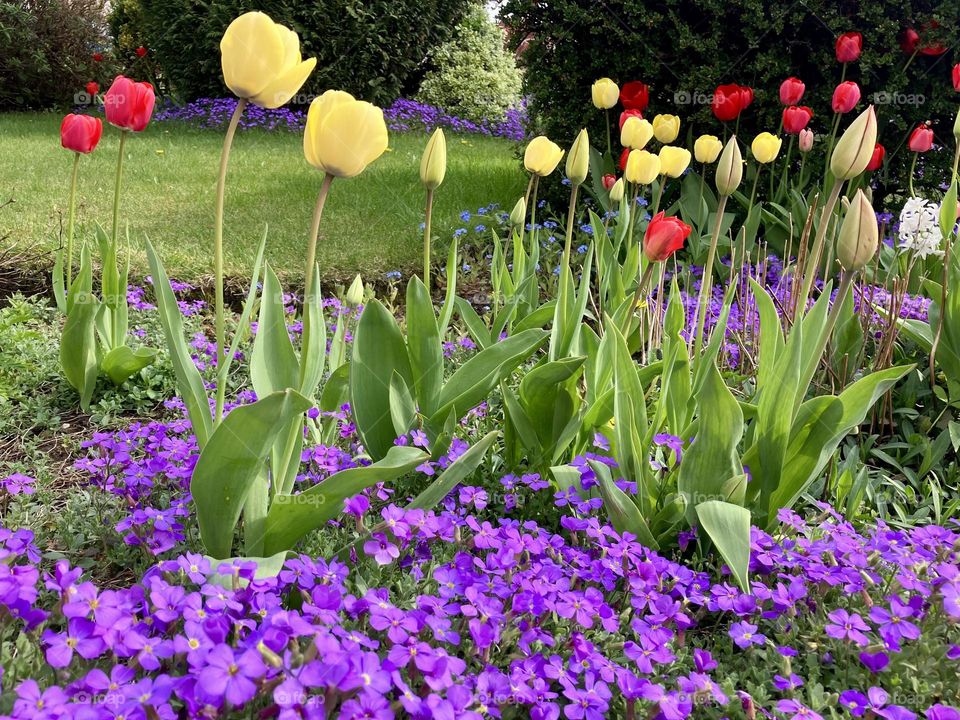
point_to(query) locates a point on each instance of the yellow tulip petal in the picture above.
(319, 111)
(285, 85)
(291, 47)
(351, 137)
(251, 51)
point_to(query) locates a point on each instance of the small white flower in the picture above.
(920, 228)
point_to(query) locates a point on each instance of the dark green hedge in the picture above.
(374, 49)
(685, 48)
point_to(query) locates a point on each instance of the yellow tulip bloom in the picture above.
(616, 192)
(636, 133)
(261, 60)
(578, 159)
(707, 148)
(666, 128)
(642, 167)
(674, 160)
(605, 94)
(433, 164)
(542, 156)
(766, 147)
(343, 135)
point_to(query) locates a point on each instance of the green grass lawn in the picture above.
(370, 225)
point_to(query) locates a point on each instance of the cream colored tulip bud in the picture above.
(729, 168)
(859, 234)
(605, 94)
(578, 159)
(519, 214)
(666, 128)
(642, 167)
(707, 149)
(765, 147)
(616, 192)
(636, 133)
(674, 160)
(956, 127)
(948, 210)
(433, 164)
(355, 292)
(855, 147)
(806, 140)
(542, 156)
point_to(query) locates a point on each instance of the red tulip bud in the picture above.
(796, 118)
(730, 100)
(921, 139)
(849, 46)
(141, 51)
(956, 77)
(876, 160)
(664, 236)
(627, 114)
(623, 159)
(791, 90)
(80, 133)
(609, 181)
(635, 95)
(92, 88)
(98, 57)
(845, 97)
(129, 104)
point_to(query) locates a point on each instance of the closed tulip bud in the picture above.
(921, 139)
(806, 141)
(859, 234)
(729, 168)
(876, 160)
(796, 118)
(605, 94)
(519, 214)
(664, 236)
(608, 180)
(791, 90)
(261, 60)
(578, 159)
(674, 160)
(433, 164)
(845, 97)
(956, 127)
(642, 167)
(948, 210)
(355, 292)
(666, 128)
(343, 135)
(766, 147)
(542, 156)
(956, 77)
(848, 47)
(706, 148)
(128, 105)
(616, 192)
(80, 133)
(853, 150)
(636, 133)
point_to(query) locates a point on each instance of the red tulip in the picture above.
(92, 88)
(730, 100)
(846, 96)
(609, 181)
(956, 77)
(80, 133)
(626, 114)
(921, 139)
(910, 41)
(623, 159)
(635, 95)
(876, 160)
(849, 46)
(796, 118)
(791, 90)
(664, 236)
(129, 104)
(98, 57)
(141, 51)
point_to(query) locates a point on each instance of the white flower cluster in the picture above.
(920, 227)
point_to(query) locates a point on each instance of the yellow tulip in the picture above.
(853, 150)
(766, 147)
(636, 133)
(730, 168)
(674, 160)
(433, 164)
(616, 192)
(707, 148)
(542, 156)
(343, 135)
(578, 159)
(666, 128)
(642, 167)
(261, 60)
(605, 94)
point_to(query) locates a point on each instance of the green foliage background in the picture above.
(685, 48)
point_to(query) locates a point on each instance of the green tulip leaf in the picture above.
(728, 526)
(122, 362)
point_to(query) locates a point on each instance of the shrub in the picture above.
(47, 48)
(474, 77)
(374, 50)
(684, 49)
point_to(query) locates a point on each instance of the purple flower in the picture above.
(745, 634)
(847, 626)
(230, 677)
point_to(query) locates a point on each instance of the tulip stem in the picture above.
(218, 244)
(116, 188)
(656, 202)
(315, 231)
(426, 234)
(833, 139)
(784, 179)
(606, 117)
(813, 262)
(568, 241)
(706, 283)
(913, 167)
(846, 279)
(70, 217)
(637, 295)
